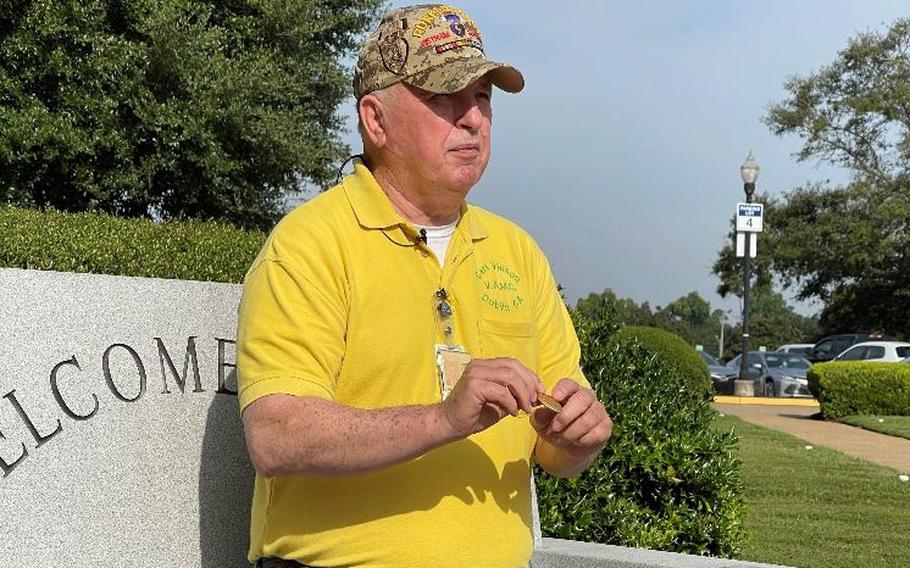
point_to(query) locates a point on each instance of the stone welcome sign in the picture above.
(120, 439)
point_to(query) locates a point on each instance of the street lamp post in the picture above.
(720, 344)
(744, 385)
(723, 324)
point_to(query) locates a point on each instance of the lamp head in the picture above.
(749, 169)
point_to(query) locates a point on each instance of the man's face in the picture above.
(442, 141)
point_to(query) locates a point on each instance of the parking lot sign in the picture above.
(749, 217)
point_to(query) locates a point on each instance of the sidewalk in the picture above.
(888, 451)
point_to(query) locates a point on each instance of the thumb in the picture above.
(541, 417)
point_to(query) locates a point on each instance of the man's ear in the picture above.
(373, 117)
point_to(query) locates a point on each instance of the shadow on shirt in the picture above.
(462, 470)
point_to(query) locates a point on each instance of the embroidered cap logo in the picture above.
(394, 50)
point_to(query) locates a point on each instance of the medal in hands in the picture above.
(549, 402)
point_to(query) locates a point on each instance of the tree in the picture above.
(855, 112)
(846, 246)
(173, 108)
(623, 310)
(689, 316)
(691, 311)
(772, 322)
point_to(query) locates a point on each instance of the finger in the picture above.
(565, 388)
(572, 408)
(535, 385)
(532, 382)
(598, 436)
(518, 379)
(541, 417)
(585, 423)
(500, 396)
(520, 389)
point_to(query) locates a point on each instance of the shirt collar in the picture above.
(373, 209)
(472, 222)
(370, 204)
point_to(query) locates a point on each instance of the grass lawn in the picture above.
(891, 425)
(819, 508)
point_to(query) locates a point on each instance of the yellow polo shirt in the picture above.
(340, 305)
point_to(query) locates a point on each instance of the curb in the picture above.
(762, 401)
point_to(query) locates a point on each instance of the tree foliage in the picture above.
(606, 305)
(689, 316)
(773, 322)
(172, 108)
(845, 246)
(855, 112)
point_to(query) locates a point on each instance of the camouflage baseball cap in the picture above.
(435, 47)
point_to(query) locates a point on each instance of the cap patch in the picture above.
(435, 38)
(394, 51)
(426, 22)
(459, 43)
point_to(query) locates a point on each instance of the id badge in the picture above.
(450, 363)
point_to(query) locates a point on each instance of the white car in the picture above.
(795, 348)
(882, 351)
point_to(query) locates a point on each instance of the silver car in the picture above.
(776, 374)
(721, 377)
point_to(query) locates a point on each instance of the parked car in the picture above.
(795, 348)
(884, 351)
(830, 347)
(776, 374)
(721, 377)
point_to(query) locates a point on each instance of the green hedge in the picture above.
(675, 352)
(104, 244)
(847, 388)
(668, 480)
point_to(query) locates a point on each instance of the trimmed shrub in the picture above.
(847, 388)
(104, 244)
(668, 480)
(675, 352)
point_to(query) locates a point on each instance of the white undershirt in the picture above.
(438, 238)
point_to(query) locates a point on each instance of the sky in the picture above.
(621, 156)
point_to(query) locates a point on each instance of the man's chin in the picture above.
(464, 184)
(466, 176)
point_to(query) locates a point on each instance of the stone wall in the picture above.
(120, 440)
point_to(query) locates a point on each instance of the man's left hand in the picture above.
(579, 431)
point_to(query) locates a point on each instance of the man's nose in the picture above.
(470, 115)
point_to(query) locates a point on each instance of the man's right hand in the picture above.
(488, 390)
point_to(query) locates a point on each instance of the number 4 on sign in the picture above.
(741, 244)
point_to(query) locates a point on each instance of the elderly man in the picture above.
(395, 343)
